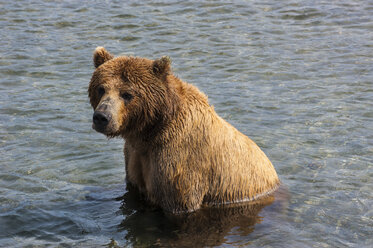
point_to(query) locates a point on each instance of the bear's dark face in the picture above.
(129, 95)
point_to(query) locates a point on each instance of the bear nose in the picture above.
(100, 119)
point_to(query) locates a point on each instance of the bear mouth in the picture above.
(99, 130)
(105, 131)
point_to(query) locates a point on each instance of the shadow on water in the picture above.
(147, 226)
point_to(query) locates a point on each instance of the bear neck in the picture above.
(159, 130)
(143, 134)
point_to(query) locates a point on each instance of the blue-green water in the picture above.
(295, 76)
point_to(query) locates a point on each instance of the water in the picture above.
(295, 76)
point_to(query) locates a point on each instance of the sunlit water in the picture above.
(295, 76)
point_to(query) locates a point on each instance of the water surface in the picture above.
(295, 76)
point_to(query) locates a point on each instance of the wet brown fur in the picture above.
(179, 153)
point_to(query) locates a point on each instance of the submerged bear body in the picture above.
(178, 152)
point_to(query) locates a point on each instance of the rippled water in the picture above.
(295, 76)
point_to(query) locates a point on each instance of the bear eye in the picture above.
(101, 91)
(127, 97)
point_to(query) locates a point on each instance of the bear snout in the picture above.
(101, 120)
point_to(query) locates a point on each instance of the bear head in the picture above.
(131, 96)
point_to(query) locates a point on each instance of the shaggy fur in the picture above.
(178, 152)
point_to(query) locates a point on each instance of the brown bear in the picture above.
(178, 152)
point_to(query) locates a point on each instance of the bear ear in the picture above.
(100, 56)
(162, 66)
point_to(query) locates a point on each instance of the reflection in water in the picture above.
(149, 226)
